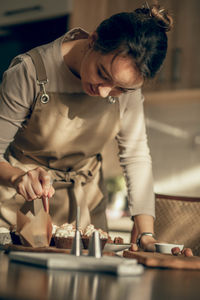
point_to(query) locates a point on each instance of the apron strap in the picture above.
(40, 73)
(39, 65)
(76, 181)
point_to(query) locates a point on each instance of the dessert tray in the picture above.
(109, 264)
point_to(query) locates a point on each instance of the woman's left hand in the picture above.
(147, 244)
(143, 223)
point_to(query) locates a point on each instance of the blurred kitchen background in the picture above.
(172, 105)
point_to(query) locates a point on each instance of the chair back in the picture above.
(178, 221)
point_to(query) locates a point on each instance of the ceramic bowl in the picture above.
(166, 248)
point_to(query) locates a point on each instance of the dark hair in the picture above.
(140, 34)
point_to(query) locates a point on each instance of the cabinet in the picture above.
(26, 11)
(181, 68)
(25, 24)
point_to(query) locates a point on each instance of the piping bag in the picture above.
(34, 224)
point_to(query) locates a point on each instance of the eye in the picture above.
(101, 75)
(124, 90)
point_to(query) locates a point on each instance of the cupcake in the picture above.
(118, 240)
(64, 236)
(110, 241)
(87, 234)
(5, 237)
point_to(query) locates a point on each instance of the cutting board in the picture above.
(159, 260)
(11, 247)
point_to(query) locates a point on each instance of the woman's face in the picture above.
(108, 75)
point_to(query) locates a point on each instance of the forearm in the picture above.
(8, 174)
(143, 223)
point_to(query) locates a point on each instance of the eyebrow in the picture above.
(110, 78)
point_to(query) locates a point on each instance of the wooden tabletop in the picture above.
(21, 281)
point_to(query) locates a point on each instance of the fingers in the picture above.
(29, 186)
(48, 190)
(45, 201)
(150, 247)
(36, 183)
(46, 181)
(133, 247)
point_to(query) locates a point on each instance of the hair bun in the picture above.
(163, 18)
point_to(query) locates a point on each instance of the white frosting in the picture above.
(90, 229)
(54, 228)
(4, 230)
(103, 234)
(65, 230)
(67, 226)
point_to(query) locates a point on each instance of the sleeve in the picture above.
(134, 155)
(17, 92)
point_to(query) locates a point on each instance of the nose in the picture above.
(104, 91)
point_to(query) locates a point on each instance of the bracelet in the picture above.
(141, 235)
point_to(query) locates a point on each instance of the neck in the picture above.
(73, 53)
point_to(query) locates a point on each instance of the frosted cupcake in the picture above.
(87, 234)
(64, 236)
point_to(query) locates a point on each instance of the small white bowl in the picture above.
(166, 248)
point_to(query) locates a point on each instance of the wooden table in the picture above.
(25, 282)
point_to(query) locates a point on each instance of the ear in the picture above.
(92, 39)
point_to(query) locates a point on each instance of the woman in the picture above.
(61, 103)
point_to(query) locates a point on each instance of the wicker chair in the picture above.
(178, 221)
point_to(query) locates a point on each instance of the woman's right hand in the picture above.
(36, 183)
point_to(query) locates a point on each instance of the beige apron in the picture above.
(65, 134)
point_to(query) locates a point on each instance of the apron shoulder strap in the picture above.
(39, 65)
(40, 73)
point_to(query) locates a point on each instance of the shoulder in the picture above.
(19, 81)
(75, 34)
(20, 66)
(136, 95)
(130, 100)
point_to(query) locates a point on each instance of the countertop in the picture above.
(21, 281)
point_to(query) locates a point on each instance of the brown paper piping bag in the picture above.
(34, 227)
(21, 220)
